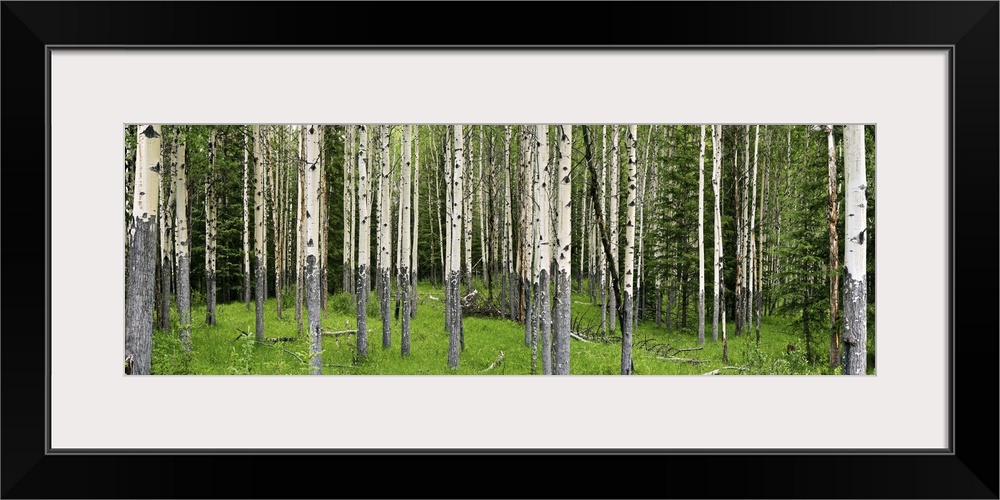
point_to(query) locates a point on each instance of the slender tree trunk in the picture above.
(259, 233)
(385, 241)
(614, 203)
(564, 247)
(210, 231)
(701, 240)
(528, 241)
(300, 230)
(278, 198)
(181, 247)
(449, 172)
(404, 245)
(454, 254)
(603, 260)
(416, 222)
(630, 202)
(246, 219)
(544, 253)
(507, 223)
(484, 248)
(165, 195)
(753, 234)
(348, 202)
(832, 224)
(854, 358)
(466, 197)
(324, 222)
(364, 241)
(142, 253)
(313, 170)
(717, 189)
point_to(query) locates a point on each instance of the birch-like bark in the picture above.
(416, 222)
(832, 225)
(141, 281)
(348, 202)
(246, 219)
(544, 255)
(277, 184)
(854, 357)
(753, 236)
(181, 247)
(324, 221)
(564, 245)
(508, 245)
(484, 247)
(602, 258)
(717, 258)
(385, 240)
(528, 241)
(364, 241)
(300, 230)
(404, 245)
(614, 203)
(211, 224)
(701, 239)
(454, 254)
(466, 197)
(630, 142)
(165, 199)
(313, 171)
(259, 232)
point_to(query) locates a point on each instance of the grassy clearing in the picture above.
(220, 350)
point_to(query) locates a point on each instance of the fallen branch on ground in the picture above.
(686, 360)
(282, 348)
(339, 366)
(499, 361)
(577, 337)
(717, 370)
(280, 339)
(328, 333)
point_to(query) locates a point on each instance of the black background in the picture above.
(972, 27)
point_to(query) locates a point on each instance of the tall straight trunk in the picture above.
(854, 357)
(277, 184)
(582, 221)
(603, 260)
(738, 289)
(544, 254)
(324, 222)
(404, 245)
(528, 241)
(630, 141)
(832, 224)
(449, 170)
(614, 203)
(142, 253)
(246, 219)
(753, 235)
(717, 257)
(508, 263)
(300, 229)
(484, 247)
(313, 172)
(564, 245)
(466, 197)
(181, 247)
(416, 222)
(259, 232)
(454, 254)
(701, 239)
(364, 241)
(165, 196)
(210, 231)
(745, 238)
(385, 240)
(348, 202)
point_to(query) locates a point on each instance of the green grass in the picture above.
(220, 350)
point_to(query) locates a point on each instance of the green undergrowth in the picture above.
(223, 349)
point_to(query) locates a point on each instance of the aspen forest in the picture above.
(510, 249)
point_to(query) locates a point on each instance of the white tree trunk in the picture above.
(416, 221)
(603, 259)
(348, 202)
(484, 248)
(165, 199)
(563, 247)
(259, 232)
(141, 281)
(614, 203)
(246, 219)
(181, 247)
(454, 252)
(701, 240)
(508, 252)
(717, 258)
(404, 245)
(385, 240)
(364, 241)
(210, 230)
(313, 172)
(854, 357)
(627, 296)
(466, 197)
(544, 254)
(832, 226)
(753, 236)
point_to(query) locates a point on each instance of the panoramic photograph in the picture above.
(499, 249)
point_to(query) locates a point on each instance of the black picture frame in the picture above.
(969, 470)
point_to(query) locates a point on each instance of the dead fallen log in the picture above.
(498, 362)
(718, 370)
(328, 333)
(468, 298)
(577, 337)
(685, 360)
(280, 339)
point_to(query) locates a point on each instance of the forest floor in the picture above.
(223, 350)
